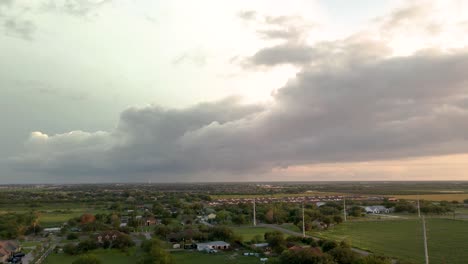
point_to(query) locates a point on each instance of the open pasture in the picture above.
(404, 238)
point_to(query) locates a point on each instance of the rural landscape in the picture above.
(320, 222)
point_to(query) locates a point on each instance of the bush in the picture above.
(72, 236)
(329, 245)
(70, 249)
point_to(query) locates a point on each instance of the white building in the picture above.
(213, 245)
(377, 209)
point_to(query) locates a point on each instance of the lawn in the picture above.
(403, 239)
(191, 257)
(249, 232)
(107, 256)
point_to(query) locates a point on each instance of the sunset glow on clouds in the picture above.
(200, 91)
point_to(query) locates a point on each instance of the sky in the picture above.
(209, 90)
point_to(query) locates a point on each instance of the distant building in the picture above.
(260, 245)
(213, 245)
(52, 229)
(150, 221)
(320, 204)
(377, 209)
(211, 216)
(7, 249)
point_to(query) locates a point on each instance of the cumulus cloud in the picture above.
(352, 100)
(359, 110)
(291, 28)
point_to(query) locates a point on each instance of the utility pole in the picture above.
(303, 221)
(254, 214)
(419, 208)
(426, 253)
(344, 208)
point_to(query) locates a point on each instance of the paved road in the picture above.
(293, 233)
(28, 258)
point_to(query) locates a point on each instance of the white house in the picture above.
(213, 245)
(52, 230)
(376, 209)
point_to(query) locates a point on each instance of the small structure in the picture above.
(176, 246)
(377, 209)
(260, 245)
(7, 249)
(211, 216)
(52, 230)
(108, 236)
(150, 221)
(208, 246)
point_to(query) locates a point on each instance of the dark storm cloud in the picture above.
(362, 106)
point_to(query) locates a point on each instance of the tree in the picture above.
(87, 259)
(329, 245)
(356, 211)
(276, 241)
(70, 249)
(154, 253)
(343, 255)
(307, 255)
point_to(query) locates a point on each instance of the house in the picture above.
(260, 245)
(7, 249)
(52, 230)
(150, 221)
(377, 209)
(208, 246)
(318, 204)
(107, 236)
(211, 216)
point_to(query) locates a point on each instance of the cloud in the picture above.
(80, 8)
(358, 110)
(291, 28)
(282, 54)
(195, 57)
(352, 100)
(20, 28)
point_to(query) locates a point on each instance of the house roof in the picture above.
(9, 245)
(213, 243)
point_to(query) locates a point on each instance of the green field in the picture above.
(403, 239)
(249, 232)
(190, 257)
(51, 215)
(107, 256)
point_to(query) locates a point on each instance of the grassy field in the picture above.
(107, 256)
(51, 215)
(190, 257)
(436, 197)
(403, 239)
(249, 232)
